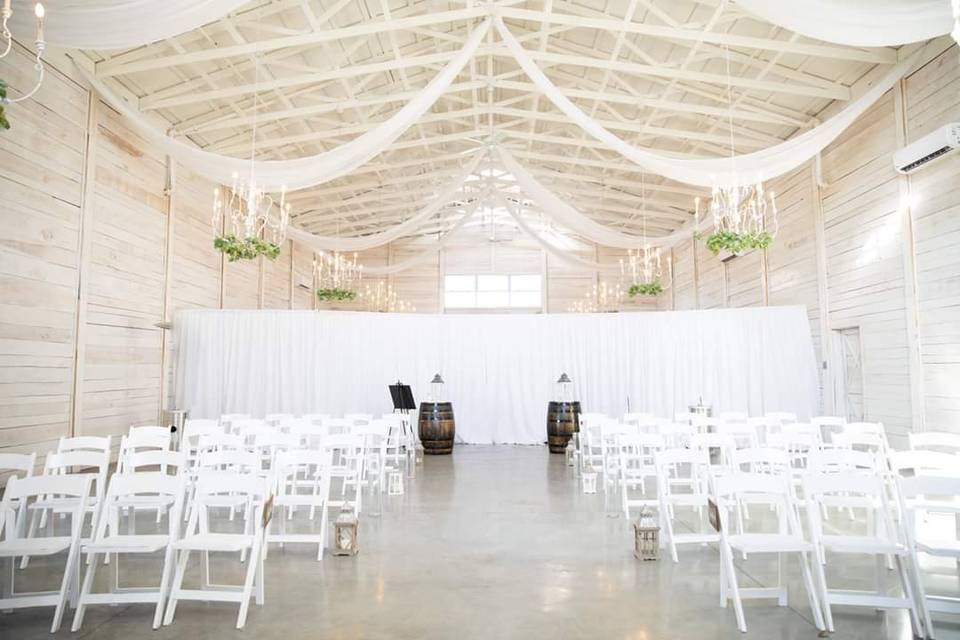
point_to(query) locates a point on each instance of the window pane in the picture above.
(455, 299)
(493, 283)
(525, 283)
(492, 299)
(459, 283)
(527, 299)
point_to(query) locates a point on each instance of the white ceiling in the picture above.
(653, 71)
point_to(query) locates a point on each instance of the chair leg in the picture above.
(73, 565)
(175, 587)
(35, 518)
(252, 565)
(168, 562)
(734, 589)
(905, 581)
(811, 592)
(821, 577)
(85, 591)
(920, 595)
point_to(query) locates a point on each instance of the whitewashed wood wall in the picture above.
(104, 239)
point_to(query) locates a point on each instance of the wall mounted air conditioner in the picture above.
(938, 144)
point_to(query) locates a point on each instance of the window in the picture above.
(520, 291)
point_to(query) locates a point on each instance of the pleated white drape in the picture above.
(500, 369)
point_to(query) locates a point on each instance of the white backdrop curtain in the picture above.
(118, 24)
(500, 370)
(300, 173)
(858, 23)
(743, 168)
(362, 243)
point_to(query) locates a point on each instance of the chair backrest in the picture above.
(21, 464)
(166, 460)
(195, 428)
(316, 417)
(720, 441)
(765, 460)
(144, 483)
(849, 490)
(335, 426)
(93, 463)
(751, 488)
(782, 417)
(220, 441)
(232, 459)
(921, 462)
(838, 459)
(358, 418)
(588, 419)
(743, 434)
(860, 441)
(213, 485)
(19, 491)
(84, 443)
(933, 494)
(733, 416)
(249, 430)
(148, 430)
(675, 434)
(144, 440)
(935, 441)
(827, 426)
(276, 418)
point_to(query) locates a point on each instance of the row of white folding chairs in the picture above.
(77, 496)
(763, 476)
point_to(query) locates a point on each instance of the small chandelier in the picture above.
(384, 298)
(602, 298)
(739, 212)
(334, 271)
(644, 268)
(39, 43)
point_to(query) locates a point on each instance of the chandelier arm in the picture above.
(40, 73)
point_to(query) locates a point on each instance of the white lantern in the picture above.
(564, 388)
(436, 389)
(346, 530)
(395, 482)
(589, 479)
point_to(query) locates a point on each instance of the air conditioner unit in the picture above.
(935, 145)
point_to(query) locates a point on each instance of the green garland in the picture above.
(737, 243)
(4, 123)
(246, 249)
(335, 294)
(645, 289)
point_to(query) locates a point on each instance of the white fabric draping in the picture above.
(858, 23)
(362, 243)
(118, 24)
(568, 258)
(272, 175)
(570, 217)
(499, 369)
(745, 168)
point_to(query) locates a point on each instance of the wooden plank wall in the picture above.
(104, 240)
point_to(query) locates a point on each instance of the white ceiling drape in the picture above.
(362, 243)
(744, 168)
(300, 173)
(859, 23)
(102, 25)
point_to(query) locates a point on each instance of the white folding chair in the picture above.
(935, 441)
(827, 426)
(140, 441)
(736, 489)
(315, 418)
(883, 538)
(20, 465)
(347, 455)
(733, 416)
(192, 431)
(310, 435)
(675, 434)
(337, 426)
(743, 434)
(358, 418)
(375, 433)
(782, 417)
(126, 489)
(637, 452)
(610, 433)
(212, 488)
(96, 464)
(228, 420)
(681, 483)
(921, 462)
(221, 442)
(13, 511)
(763, 426)
(148, 430)
(719, 448)
(84, 443)
(303, 480)
(932, 506)
(277, 419)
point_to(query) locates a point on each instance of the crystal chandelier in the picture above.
(334, 271)
(739, 213)
(247, 221)
(39, 43)
(384, 298)
(602, 298)
(644, 268)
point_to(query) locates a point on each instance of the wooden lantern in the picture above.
(646, 538)
(345, 534)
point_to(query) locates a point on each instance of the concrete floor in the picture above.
(494, 542)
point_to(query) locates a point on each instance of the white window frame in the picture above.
(509, 307)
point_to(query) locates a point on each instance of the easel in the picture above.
(404, 404)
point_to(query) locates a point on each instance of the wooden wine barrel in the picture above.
(437, 428)
(563, 420)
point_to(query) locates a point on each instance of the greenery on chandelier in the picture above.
(737, 242)
(246, 249)
(335, 294)
(645, 289)
(4, 123)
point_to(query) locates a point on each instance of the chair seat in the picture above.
(945, 547)
(128, 544)
(145, 502)
(215, 542)
(862, 544)
(34, 546)
(768, 543)
(59, 505)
